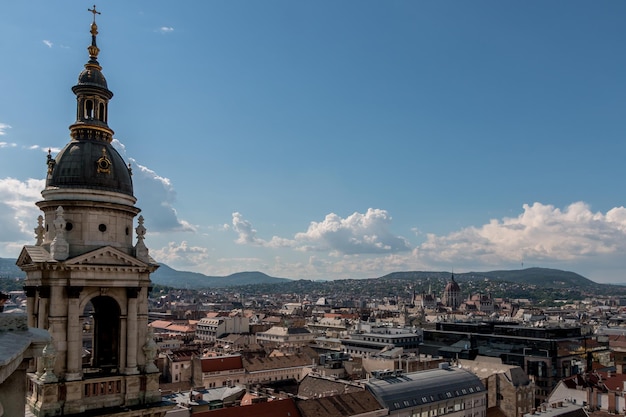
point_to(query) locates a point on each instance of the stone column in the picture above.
(131, 332)
(30, 305)
(42, 322)
(74, 336)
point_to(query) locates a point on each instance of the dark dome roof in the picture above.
(93, 77)
(76, 166)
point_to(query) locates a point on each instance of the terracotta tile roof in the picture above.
(160, 324)
(262, 364)
(248, 398)
(575, 381)
(615, 382)
(180, 328)
(281, 408)
(343, 405)
(221, 363)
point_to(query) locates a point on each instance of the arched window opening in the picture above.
(89, 109)
(101, 334)
(101, 116)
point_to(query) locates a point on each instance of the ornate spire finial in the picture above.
(95, 12)
(93, 48)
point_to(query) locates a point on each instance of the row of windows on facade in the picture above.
(440, 411)
(230, 382)
(386, 340)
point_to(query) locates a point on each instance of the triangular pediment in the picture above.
(32, 255)
(106, 255)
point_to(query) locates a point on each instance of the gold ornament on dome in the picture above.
(104, 163)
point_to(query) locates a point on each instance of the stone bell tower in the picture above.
(86, 282)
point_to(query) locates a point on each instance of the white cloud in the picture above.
(3, 128)
(155, 196)
(7, 145)
(542, 233)
(180, 254)
(361, 245)
(48, 43)
(18, 213)
(166, 29)
(246, 233)
(356, 234)
(44, 149)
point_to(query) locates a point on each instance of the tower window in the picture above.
(69, 226)
(102, 227)
(127, 231)
(101, 112)
(89, 109)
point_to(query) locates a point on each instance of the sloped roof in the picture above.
(424, 387)
(575, 381)
(233, 338)
(160, 324)
(343, 405)
(565, 409)
(615, 382)
(279, 408)
(483, 367)
(262, 364)
(180, 328)
(283, 331)
(221, 363)
(314, 385)
(34, 254)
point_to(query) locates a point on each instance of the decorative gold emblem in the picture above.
(103, 163)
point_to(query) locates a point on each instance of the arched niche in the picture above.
(102, 338)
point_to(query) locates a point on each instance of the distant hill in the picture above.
(184, 279)
(171, 277)
(540, 277)
(8, 269)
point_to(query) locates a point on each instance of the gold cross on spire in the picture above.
(95, 12)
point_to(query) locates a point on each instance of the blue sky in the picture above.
(338, 139)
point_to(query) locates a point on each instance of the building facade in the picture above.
(378, 339)
(286, 336)
(209, 329)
